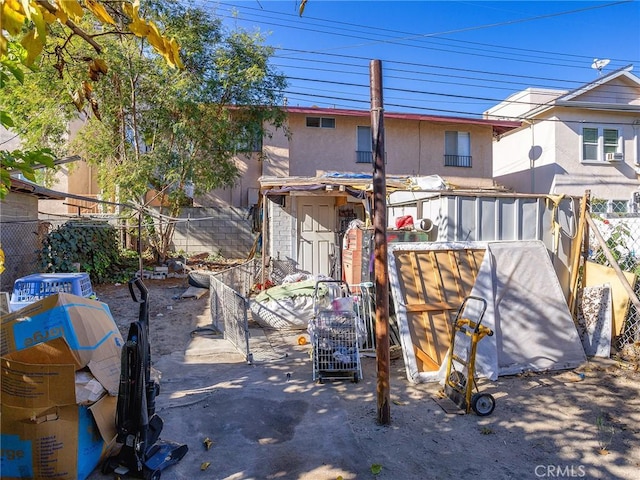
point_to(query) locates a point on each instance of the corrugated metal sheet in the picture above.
(475, 217)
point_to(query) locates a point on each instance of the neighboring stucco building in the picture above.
(457, 149)
(588, 138)
(308, 209)
(306, 224)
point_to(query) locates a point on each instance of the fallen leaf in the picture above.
(207, 442)
(376, 468)
(204, 465)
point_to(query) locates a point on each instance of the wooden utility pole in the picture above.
(381, 267)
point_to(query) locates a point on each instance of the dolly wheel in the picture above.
(483, 404)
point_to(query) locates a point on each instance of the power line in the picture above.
(493, 86)
(415, 64)
(480, 79)
(416, 36)
(444, 111)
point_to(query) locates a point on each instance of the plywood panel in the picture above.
(433, 283)
(596, 274)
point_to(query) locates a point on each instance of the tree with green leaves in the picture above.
(36, 34)
(151, 127)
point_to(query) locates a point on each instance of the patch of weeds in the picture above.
(605, 434)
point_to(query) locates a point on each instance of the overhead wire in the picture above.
(496, 81)
(544, 55)
(364, 67)
(437, 67)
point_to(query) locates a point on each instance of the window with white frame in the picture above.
(321, 122)
(597, 142)
(609, 206)
(364, 145)
(457, 149)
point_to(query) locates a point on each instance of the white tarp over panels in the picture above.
(526, 309)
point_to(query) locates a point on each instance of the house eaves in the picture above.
(621, 72)
(567, 99)
(614, 107)
(498, 126)
(357, 184)
(331, 182)
(23, 186)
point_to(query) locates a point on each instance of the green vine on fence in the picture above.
(619, 240)
(86, 245)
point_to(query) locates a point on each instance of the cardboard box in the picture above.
(45, 433)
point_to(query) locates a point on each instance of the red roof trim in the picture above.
(504, 124)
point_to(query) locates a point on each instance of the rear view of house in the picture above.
(314, 178)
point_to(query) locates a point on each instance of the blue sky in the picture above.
(453, 58)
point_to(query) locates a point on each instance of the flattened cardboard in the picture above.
(59, 442)
(45, 434)
(86, 325)
(103, 412)
(35, 386)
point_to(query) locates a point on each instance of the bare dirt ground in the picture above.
(550, 425)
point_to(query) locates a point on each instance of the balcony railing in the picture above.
(363, 156)
(457, 161)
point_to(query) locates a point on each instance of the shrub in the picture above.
(91, 245)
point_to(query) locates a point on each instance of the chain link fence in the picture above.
(21, 242)
(621, 232)
(229, 303)
(232, 308)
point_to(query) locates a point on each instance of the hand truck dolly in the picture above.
(460, 377)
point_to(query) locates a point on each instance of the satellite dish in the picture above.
(600, 64)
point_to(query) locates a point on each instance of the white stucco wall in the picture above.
(521, 102)
(557, 145)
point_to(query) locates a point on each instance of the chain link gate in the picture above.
(621, 232)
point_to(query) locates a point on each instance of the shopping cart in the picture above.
(460, 378)
(335, 333)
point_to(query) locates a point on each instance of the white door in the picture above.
(316, 236)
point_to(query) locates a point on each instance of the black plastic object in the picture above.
(143, 454)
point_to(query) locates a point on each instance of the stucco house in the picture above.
(571, 141)
(313, 176)
(306, 213)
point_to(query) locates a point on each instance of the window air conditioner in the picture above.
(615, 157)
